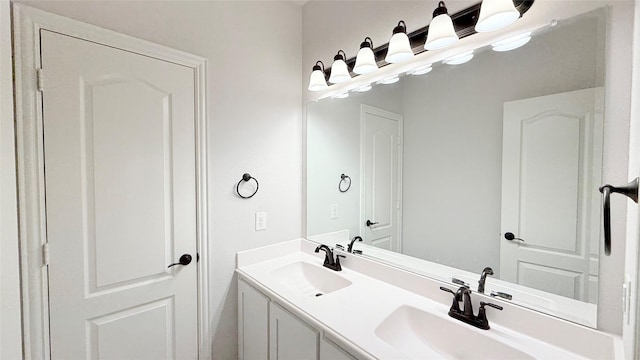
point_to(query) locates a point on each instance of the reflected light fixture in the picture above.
(339, 70)
(363, 88)
(496, 14)
(441, 32)
(399, 48)
(459, 59)
(317, 80)
(365, 60)
(420, 70)
(389, 80)
(512, 43)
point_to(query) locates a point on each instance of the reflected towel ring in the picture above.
(343, 179)
(246, 177)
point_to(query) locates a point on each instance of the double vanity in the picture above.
(290, 306)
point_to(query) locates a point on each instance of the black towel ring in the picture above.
(343, 179)
(246, 177)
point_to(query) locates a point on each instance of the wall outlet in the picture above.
(334, 211)
(261, 221)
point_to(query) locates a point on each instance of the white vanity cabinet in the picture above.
(330, 351)
(290, 338)
(267, 330)
(253, 323)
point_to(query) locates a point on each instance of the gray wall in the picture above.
(254, 117)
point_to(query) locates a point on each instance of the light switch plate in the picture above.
(261, 221)
(334, 211)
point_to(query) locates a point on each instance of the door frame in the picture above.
(27, 24)
(368, 109)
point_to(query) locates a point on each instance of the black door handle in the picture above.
(369, 223)
(509, 236)
(630, 190)
(184, 260)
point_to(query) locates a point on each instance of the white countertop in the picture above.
(355, 311)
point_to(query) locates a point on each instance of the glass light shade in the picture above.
(460, 58)
(399, 49)
(340, 95)
(365, 62)
(496, 14)
(441, 33)
(317, 81)
(512, 43)
(339, 72)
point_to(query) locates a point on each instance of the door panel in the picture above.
(382, 186)
(552, 167)
(121, 202)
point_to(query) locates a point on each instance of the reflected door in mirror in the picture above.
(382, 158)
(552, 161)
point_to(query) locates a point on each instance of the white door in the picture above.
(551, 170)
(382, 164)
(120, 202)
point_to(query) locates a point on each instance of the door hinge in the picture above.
(39, 80)
(45, 254)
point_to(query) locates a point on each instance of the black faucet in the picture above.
(483, 278)
(466, 315)
(329, 262)
(350, 247)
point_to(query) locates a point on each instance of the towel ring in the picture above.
(246, 177)
(343, 178)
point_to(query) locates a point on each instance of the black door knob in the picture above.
(184, 260)
(369, 223)
(509, 236)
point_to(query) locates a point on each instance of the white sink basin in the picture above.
(308, 279)
(423, 335)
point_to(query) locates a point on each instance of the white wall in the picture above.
(332, 25)
(10, 335)
(254, 115)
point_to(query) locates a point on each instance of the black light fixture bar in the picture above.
(464, 23)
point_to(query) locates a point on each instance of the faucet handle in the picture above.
(459, 282)
(455, 306)
(340, 246)
(482, 305)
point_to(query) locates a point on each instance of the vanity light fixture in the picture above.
(317, 80)
(496, 14)
(363, 88)
(365, 60)
(441, 32)
(511, 43)
(459, 59)
(420, 70)
(340, 95)
(399, 48)
(339, 70)
(389, 80)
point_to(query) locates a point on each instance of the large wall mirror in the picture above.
(491, 163)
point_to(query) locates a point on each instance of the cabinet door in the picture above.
(291, 338)
(331, 351)
(253, 323)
